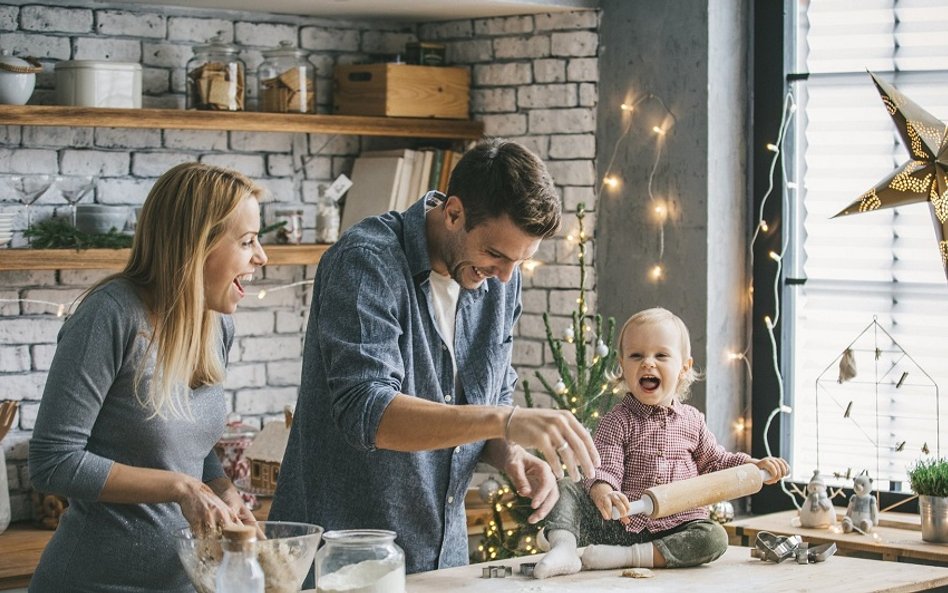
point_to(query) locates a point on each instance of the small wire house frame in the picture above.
(875, 405)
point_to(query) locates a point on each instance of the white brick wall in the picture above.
(534, 80)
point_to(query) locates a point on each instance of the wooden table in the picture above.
(20, 548)
(899, 537)
(735, 571)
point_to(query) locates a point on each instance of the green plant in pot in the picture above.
(929, 479)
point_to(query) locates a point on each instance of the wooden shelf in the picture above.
(106, 259)
(58, 115)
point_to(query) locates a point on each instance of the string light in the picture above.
(263, 292)
(531, 264)
(660, 209)
(62, 309)
(763, 226)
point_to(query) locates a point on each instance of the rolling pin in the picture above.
(667, 499)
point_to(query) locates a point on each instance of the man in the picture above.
(407, 381)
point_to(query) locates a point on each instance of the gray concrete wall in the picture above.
(693, 56)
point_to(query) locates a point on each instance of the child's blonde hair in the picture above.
(660, 315)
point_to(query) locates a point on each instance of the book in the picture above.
(375, 184)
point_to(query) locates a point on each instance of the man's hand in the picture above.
(559, 436)
(533, 479)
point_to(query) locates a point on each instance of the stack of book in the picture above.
(393, 179)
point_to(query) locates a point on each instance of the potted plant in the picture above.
(929, 479)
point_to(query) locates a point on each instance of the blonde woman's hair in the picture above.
(183, 219)
(660, 315)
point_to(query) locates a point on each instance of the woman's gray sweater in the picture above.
(90, 418)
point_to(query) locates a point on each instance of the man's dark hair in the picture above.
(499, 177)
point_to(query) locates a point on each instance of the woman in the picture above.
(134, 400)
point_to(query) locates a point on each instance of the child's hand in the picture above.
(605, 499)
(775, 466)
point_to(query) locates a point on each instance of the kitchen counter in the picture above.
(735, 571)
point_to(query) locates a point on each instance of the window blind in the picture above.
(873, 281)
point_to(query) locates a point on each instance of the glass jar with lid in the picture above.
(216, 77)
(287, 80)
(366, 560)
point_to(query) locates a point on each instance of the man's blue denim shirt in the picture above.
(371, 335)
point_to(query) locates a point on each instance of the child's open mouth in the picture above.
(650, 382)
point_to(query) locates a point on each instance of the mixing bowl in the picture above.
(286, 555)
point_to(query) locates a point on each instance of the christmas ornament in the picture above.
(560, 387)
(568, 334)
(924, 177)
(601, 349)
(489, 490)
(721, 512)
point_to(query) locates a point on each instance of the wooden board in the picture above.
(735, 571)
(899, 538)
(20, 548)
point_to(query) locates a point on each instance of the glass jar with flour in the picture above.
(360, 561)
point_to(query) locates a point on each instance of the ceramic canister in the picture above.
(17, 78)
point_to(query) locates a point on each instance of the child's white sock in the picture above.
(601, 557)
(562, 557)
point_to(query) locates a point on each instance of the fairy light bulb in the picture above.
(660, 211)
(772, 147)
(774, 256)
(627, 108)
(768, 322)
(740, 426)
(262, 294)
(530, 265)
(764, 227)
(657, 272)
(658, 130)
(60, 310)
(735, 355)
(611, 181)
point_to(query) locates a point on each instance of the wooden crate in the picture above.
(402, 90)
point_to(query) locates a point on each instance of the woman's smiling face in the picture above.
(234, 260)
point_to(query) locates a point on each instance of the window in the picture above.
(873, 281)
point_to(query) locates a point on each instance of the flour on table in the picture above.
(368, 576)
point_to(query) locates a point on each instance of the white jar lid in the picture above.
(97, 65)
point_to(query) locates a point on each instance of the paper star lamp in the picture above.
(924, 177)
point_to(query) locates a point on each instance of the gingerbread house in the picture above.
(265, 454)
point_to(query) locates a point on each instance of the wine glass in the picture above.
(75, 187)
(28, 189)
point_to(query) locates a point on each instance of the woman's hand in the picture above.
(205, 511)
(225, 489)
(559, 436)
(606, 499)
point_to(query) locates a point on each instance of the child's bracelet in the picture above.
(507, 424)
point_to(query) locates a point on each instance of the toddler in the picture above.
(649, 438)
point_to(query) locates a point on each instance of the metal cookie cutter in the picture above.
(496, 572)
(775, 548)
(526, 569)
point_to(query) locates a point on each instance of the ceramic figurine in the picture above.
(863, 511)
(817, 510)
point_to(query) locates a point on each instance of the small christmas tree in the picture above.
(584, 388)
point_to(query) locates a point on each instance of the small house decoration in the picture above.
(266, 453)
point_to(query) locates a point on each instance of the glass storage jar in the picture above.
(287, 80)
(363, 560)
(216, 77)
